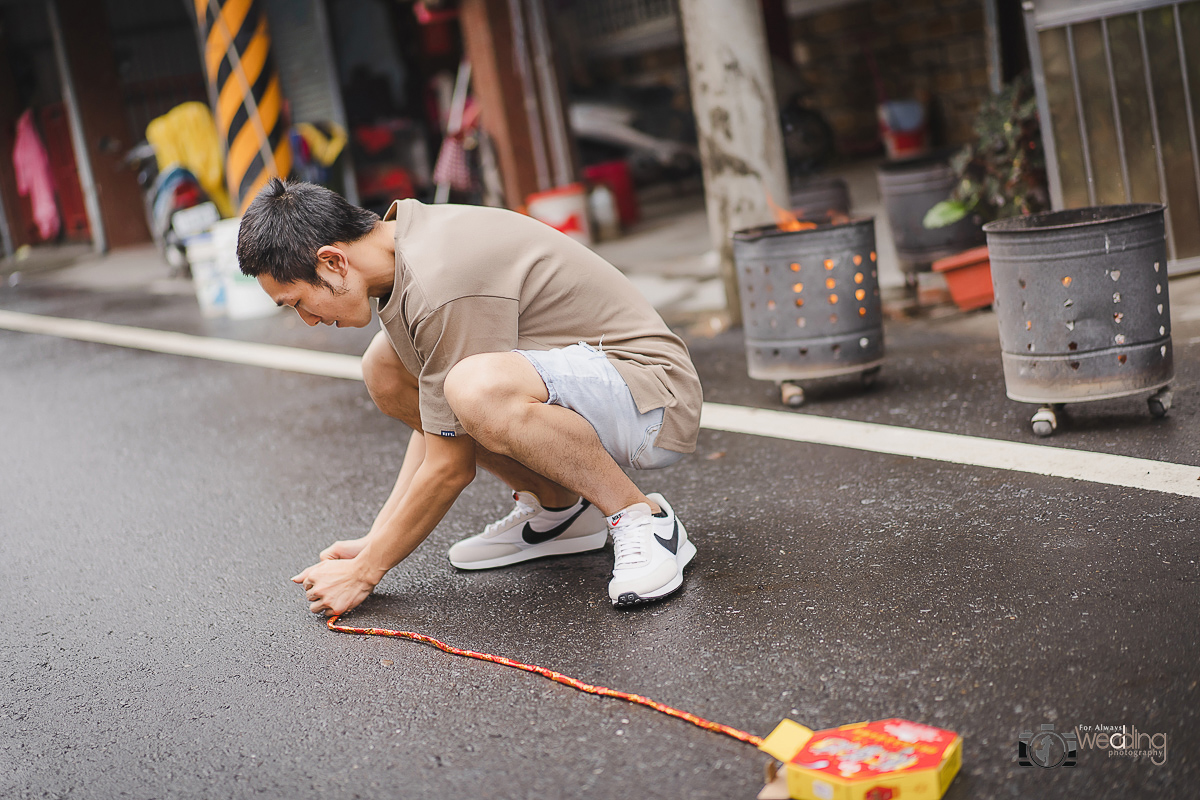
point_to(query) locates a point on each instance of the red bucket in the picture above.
(615, 175)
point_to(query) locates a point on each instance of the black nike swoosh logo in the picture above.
(538, 537)
(671, 544)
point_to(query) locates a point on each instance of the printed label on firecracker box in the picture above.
(875, 748)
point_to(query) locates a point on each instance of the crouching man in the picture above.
(505, 345)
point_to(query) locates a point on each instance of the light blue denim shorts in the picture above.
(581, 378)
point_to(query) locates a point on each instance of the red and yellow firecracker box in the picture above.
(892, 759)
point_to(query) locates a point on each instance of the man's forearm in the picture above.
(413, 458)
(430, 494)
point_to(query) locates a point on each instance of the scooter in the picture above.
(177, 208)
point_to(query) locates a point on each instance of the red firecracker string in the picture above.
(557, 677)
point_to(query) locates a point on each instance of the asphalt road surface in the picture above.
(153, 508)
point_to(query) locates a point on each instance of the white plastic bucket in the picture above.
(207, 278)
(244, 298)
(565, 209)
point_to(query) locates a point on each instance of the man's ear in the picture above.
(332, 258)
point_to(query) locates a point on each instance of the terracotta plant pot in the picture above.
(969, 278)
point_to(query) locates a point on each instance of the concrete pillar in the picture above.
(741, 144)
(250, 112)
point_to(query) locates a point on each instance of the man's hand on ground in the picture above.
(339, 582)
(348, 548)
(335, 586)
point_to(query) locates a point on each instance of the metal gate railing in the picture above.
(1118, 85)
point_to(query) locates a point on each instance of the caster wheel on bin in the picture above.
(1160, 402)
(792, 395)
(869, 376)
(1045, 421)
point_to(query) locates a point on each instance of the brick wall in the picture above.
(934, 50)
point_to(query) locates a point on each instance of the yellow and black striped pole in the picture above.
(249, 104)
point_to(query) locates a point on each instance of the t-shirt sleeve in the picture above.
(463, 327)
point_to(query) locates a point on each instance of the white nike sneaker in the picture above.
(651, 553)
(530, 531)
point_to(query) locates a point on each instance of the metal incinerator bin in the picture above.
(810, 303)
(1083, 307)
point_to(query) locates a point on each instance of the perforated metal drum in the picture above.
(1083, 305)
(908, 189)
(810, 300)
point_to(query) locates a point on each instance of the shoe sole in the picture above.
(686, 553)
(555, 547)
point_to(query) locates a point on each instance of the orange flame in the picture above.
(786, 220)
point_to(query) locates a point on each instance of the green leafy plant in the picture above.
(1003, 172)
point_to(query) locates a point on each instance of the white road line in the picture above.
(1134, 473)
(292, 359)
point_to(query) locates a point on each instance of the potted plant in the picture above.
(1001, 174)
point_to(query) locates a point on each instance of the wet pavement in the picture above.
(153, 508)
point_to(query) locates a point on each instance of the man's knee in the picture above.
(474, 384)
(490, 390)
(390, 385)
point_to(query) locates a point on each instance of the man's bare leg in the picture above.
(501, 400)
(394, 390)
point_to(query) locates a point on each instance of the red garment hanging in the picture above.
(34, 178)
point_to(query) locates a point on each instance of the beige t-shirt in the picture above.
(471, 279)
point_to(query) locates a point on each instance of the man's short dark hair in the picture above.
(288, 222)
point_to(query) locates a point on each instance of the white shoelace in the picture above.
(520, 513)
(629, 545)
